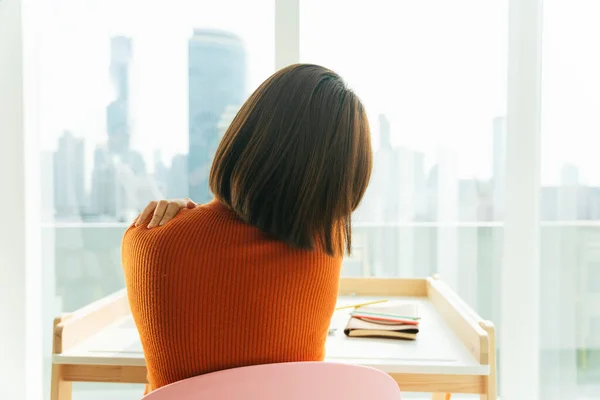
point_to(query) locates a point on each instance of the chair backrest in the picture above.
(290, 381)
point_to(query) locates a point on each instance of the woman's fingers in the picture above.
(147, 211)
(159, 213)
(163, 211)
(190, 203)
(170, 213)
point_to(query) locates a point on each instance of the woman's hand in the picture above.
(164, 211)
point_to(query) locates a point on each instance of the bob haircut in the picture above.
(297, 159)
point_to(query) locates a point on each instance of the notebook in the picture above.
(397, 320)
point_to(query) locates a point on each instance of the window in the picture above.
(124, 118)
(133, 101)
(435, 93)
(570, 201)
(436, 98)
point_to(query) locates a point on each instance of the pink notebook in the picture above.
(396, 320)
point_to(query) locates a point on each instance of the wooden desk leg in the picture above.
(440, 396)
(491, 380)
(59, 389)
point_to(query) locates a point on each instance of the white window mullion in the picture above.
(20, 236)
(519, 324)
(287, 33)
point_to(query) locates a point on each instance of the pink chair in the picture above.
(285, 381)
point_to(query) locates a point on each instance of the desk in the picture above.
(454, 351)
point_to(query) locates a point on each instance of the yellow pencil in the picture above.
(361, 304)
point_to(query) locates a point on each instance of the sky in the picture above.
(436, 68)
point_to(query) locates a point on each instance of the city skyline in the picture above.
(458, 85)
(404, 190)
(406, 186)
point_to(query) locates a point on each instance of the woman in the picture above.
(252, 277)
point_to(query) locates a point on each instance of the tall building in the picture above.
(385, 132)
(373, 205)
(570, 192)
(447, 186)
(226, 119)
(117, 114)
(217, 80)
(69, 167)
(116, 165)
(420, 179)
(104, 193)
(389, 175)
(397, 187)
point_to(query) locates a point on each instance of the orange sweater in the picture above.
(209, 292)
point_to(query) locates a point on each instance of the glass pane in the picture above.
(134, 98)
(570, 201)
(435, 95)
(432, 75)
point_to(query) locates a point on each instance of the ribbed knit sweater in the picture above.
(210, 292)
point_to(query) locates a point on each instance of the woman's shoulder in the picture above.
(211, 226)
(192, 225)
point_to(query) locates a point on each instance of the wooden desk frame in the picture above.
(476, 334)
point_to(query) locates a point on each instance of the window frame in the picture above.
(520, 274)
(21, 288)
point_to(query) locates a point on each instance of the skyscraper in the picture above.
(372, 208)
(117, 112)
(104, 193)
(227, 118)
(69, 167)
(570, 200)
(385, 139)
(388, 173)
(217, 80)
(116, 165)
